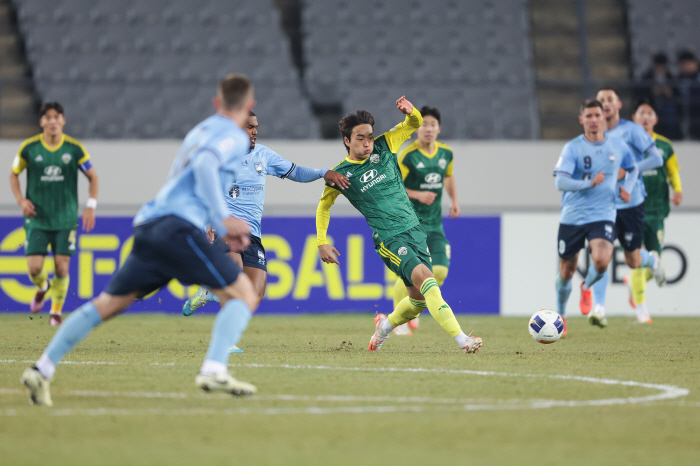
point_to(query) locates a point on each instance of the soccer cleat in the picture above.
(586, 300)
(55, 320)
(414, 323)
(224, 382)
(38, 387)
(376, 342)
(643, 316)
(235, 350)
(38, 300)
(195, 302)
(628, 282)
(659, 272)
(597, 317)
(403, 329)
(565, 331)
(473, 344)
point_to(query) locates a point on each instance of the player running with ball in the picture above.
(587, 172)
(377, 191)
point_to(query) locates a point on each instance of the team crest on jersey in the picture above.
(258, 167)
(611, 156)
(403, 251)
(442, 163)
(66, 158)
(374, 158)
(234, 192)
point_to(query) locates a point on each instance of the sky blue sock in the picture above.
(212, 298)
(76, 327)
(593, 276)
(647, 259)
(563, 288)
(229, 326)
(600, 288)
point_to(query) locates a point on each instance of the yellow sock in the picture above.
(639, 284)
(438, 308)
(59, 290)
(39, 280)
(407, 310)
(400, 292)
(440, 273)
(648, 273)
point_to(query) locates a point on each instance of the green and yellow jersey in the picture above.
(52, 180)
(656, 181)
(376, 187)
(426, 172)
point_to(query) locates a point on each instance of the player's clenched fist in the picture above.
(598, 179)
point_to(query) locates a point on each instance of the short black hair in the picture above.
(349, 121)
(432, 111)
(660, 58)
(50, 106)
(608, 88)
(590, 103)
(644, 101)
(687, 55)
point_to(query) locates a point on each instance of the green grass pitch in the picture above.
(126, 395)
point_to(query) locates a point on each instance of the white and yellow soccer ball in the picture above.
(546, 326)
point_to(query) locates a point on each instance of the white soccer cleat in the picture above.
(403, 329)
(659, 271)
(643, 316)
(377, 339)
(473, 344)
(38, 387)
(597, 317)
(224, 382)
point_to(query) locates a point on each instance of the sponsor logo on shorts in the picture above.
(562, 246)
(403, 251)
(448, 251)
(374, 158)
(261, 257)
(66, 158)
(628, 237)
(442, 163)
(52, 173)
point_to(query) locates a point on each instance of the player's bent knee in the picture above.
(242, 289)
(109, 306)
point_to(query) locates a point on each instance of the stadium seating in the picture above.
(454, 55)
(148, 59)
(661, 26)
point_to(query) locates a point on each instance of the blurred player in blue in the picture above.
(170, 242)
(245, 199)
(587, 172)
(629, 223)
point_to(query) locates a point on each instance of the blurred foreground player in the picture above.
(629, 222)
(656, 208)
(426, 167)
(170, 242)
(377, 191)
(50, 208)
(587, 172)
(245, 199)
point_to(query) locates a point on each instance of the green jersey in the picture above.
(426, 172)
(52, 181)
(657, 202)
(376, 187)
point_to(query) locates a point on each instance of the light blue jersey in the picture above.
(216, 139)
(582, 159)
(639, 143)
(245, 193)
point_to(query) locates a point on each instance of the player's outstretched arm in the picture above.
(401, 132)
(89, 212)
(323, 217)
(306, 175)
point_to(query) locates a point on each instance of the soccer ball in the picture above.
(546, 326)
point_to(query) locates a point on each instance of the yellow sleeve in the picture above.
(673, 176)
(401, 132)
(323, 214)
(404, 169)
(18, 164)
(448, 172)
